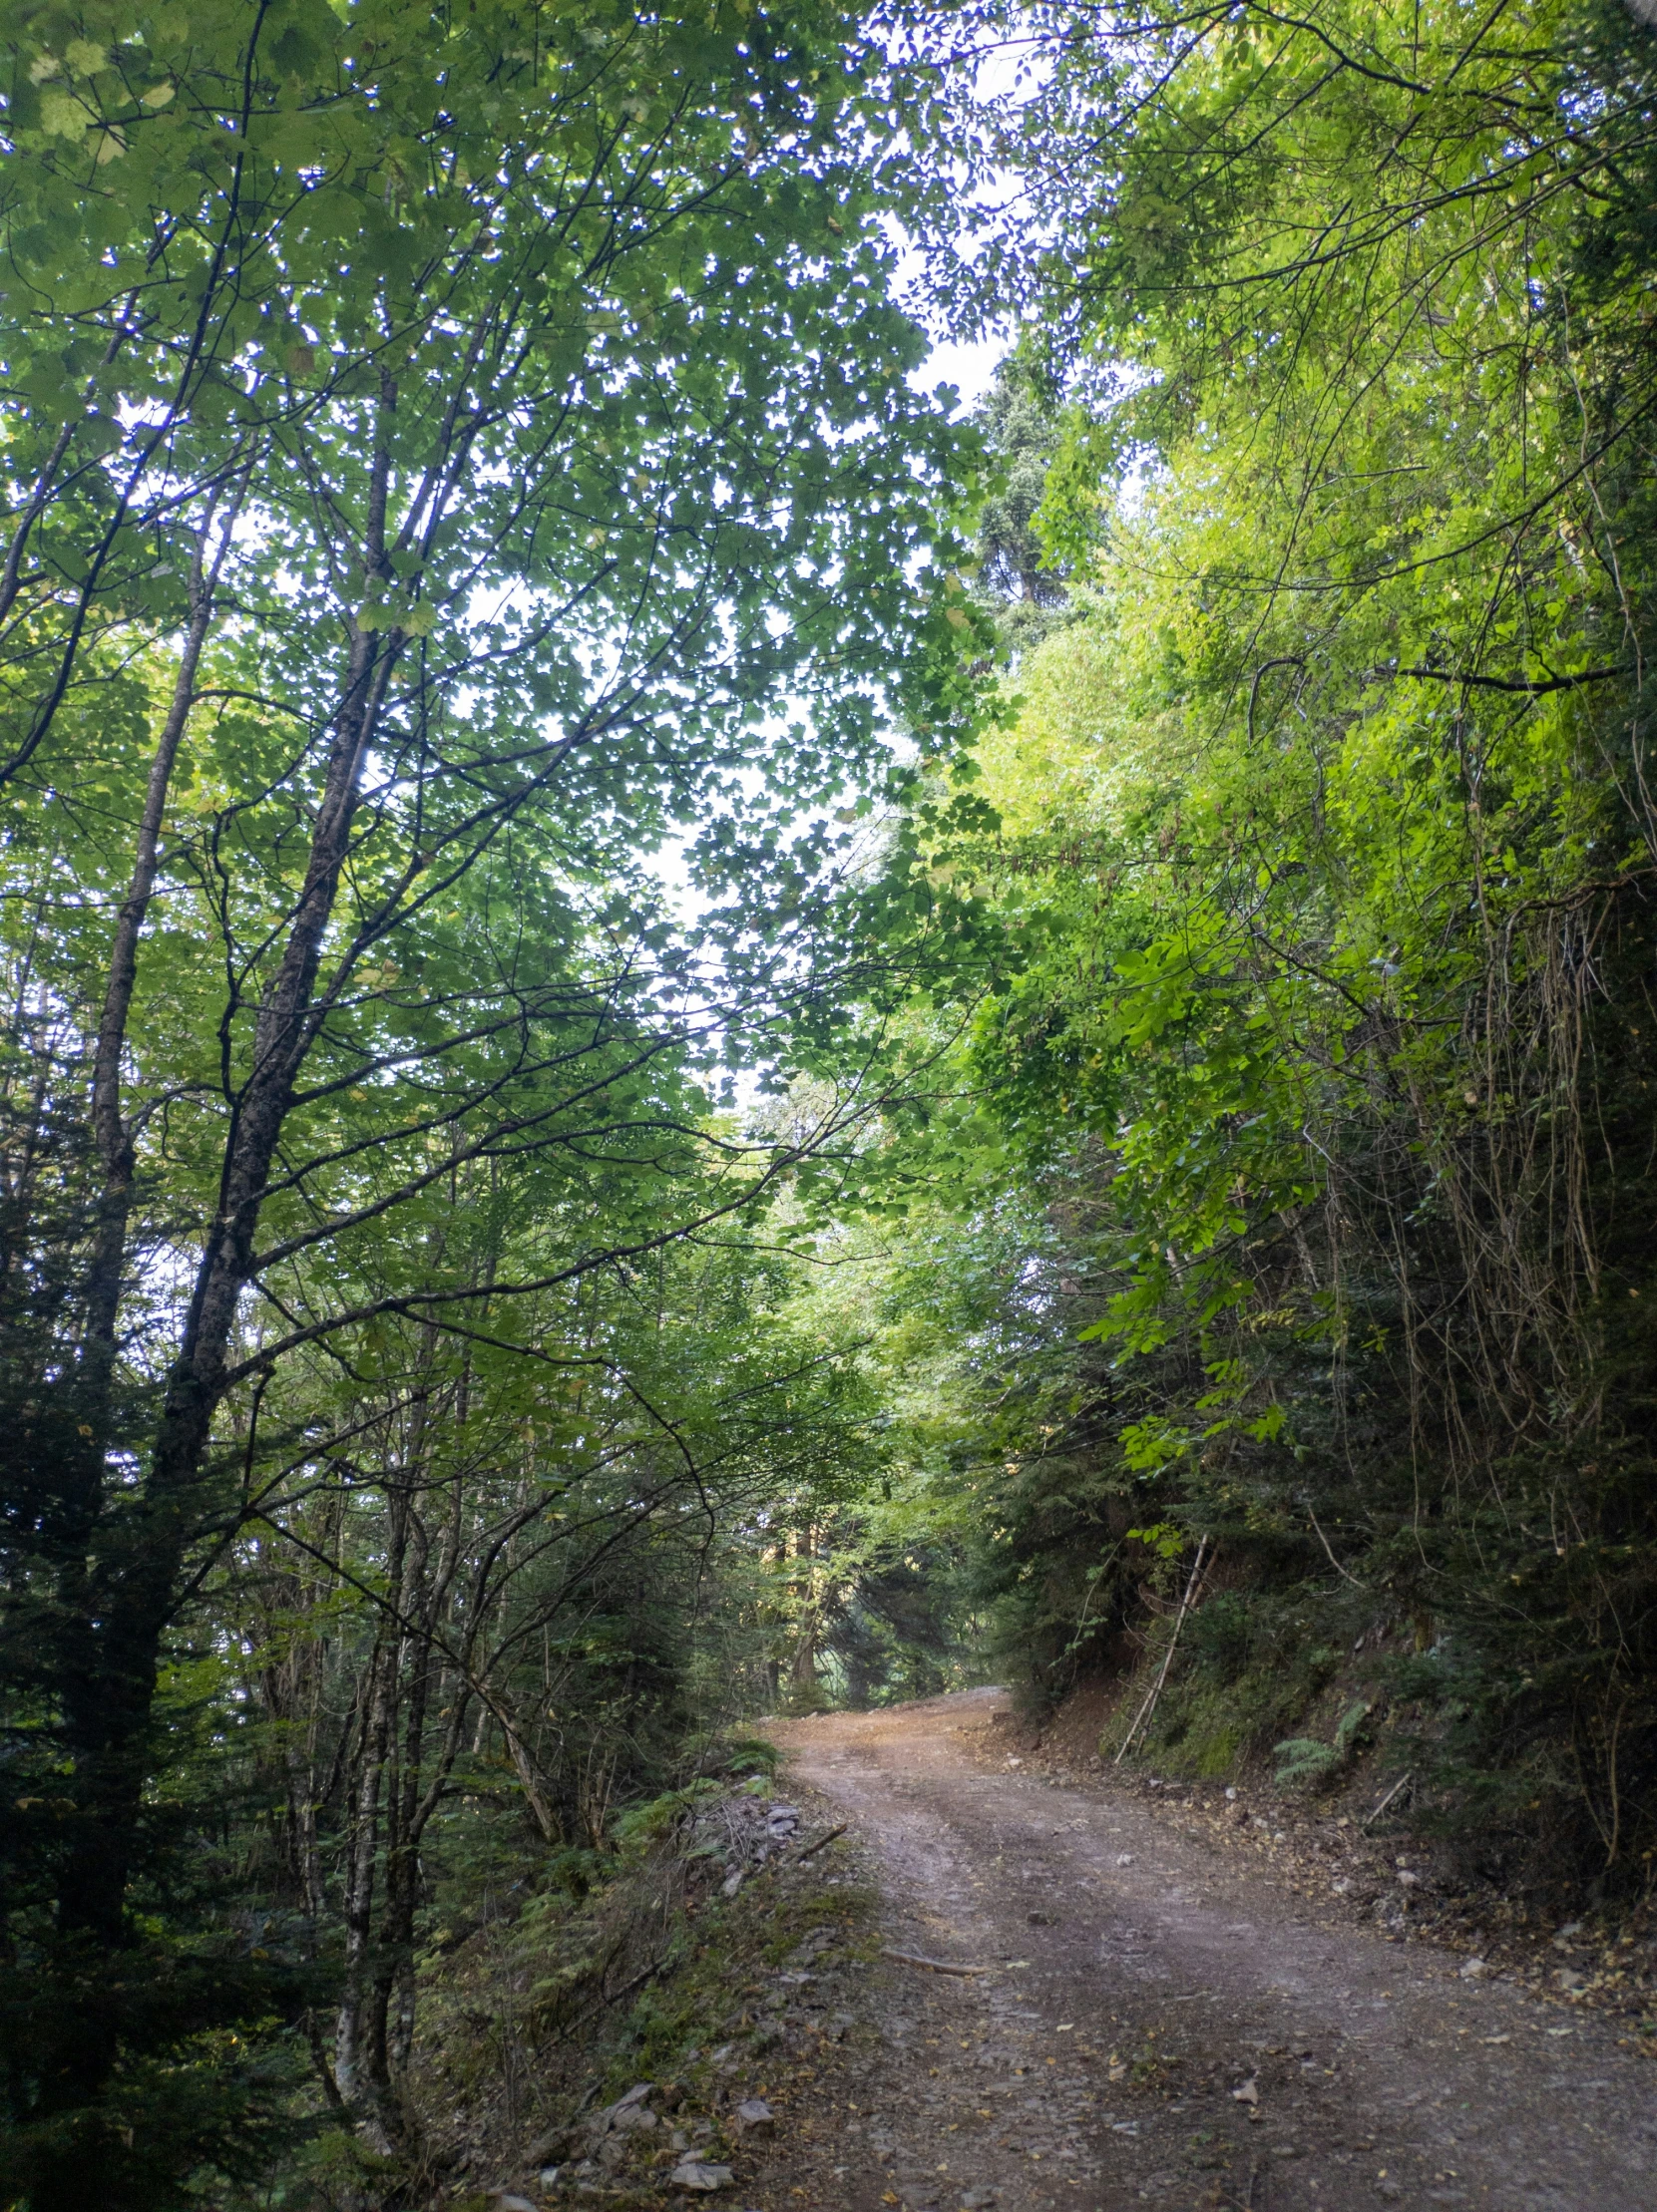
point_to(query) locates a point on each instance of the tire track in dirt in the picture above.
(1161, 2025)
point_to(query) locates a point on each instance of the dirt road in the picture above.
(1163, 2023)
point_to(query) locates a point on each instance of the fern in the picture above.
(1346, 1735)
(1307, 1759)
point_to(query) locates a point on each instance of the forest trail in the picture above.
(1140, 1976)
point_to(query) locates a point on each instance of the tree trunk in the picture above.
(132, 1590)
(353, 2031)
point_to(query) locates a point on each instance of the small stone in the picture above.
(755, 2116)
(1567, 1977)
(695, 2173)
(1248, 2093)
(975, 2201)
(1473, 1969)
(1124, 1858)
(1231, 1793)
(507, 2201)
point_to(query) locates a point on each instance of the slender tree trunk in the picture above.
(108, 1710)
(107, 1701)
(106, 1720)
(111, 1132)
(353, 2069)
(393, 1947)
(394, 1981)
(358, 2052)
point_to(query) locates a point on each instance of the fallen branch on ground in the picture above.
(608, 1998)
(1401, 1783)
(933, 1966)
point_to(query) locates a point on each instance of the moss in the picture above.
(1212, 1757)
(704, 2000)
(1249, 1670)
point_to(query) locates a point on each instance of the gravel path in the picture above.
(1162, 2024)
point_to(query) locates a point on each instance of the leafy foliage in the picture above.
(1326, 840)
(487, 661)
(446, 514)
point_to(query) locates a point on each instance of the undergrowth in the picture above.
(601, 1970)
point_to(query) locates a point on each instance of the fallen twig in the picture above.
(811, 1850)
(608, 1998)
(1386, 1800)
(1333, 1561)
(933, 1966)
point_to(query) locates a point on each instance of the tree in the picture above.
(439, 469)
(1022, 587)
(472, 1586)
(1325, 833)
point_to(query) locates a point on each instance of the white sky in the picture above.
(966, 364)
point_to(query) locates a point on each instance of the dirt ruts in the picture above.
(1156, 2022)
